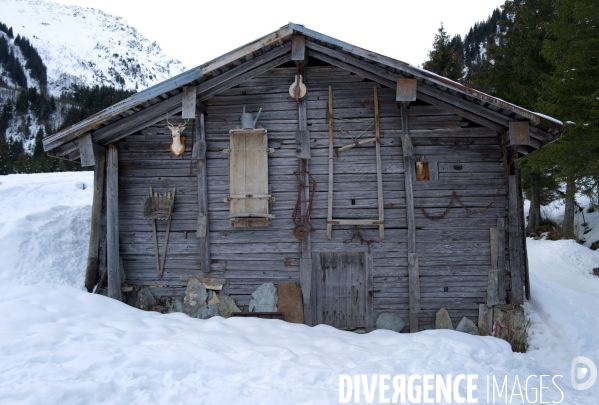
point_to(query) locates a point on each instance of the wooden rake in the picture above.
(158, 206)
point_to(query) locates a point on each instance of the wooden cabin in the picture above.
(377, 186)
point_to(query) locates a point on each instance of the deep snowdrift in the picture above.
(59, 344)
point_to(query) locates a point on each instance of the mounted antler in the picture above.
(178, 143)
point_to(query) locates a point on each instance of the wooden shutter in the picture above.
(248, 178)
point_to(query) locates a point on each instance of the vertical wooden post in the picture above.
(203, 231)
(515, 243)
(501, 270)
(413, 272)
(522, 232)
(306, 259)
(112, 220)
(91, 272)
(379, 170)
(330, 198)
(493, 279)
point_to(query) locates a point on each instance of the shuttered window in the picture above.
(249, 198)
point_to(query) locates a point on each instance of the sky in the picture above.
(196, 31)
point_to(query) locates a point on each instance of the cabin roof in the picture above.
(152, 104)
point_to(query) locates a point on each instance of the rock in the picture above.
(443, 321)
(206, 311)
(174, 304)
(213, 299)
(226, 306)
(265, 299)
(390, 321)
(195, 296)
(290, 302)
(510, 325)
(145, 300)
(595, 245)
(467, 326)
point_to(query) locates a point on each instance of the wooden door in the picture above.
(342, 289)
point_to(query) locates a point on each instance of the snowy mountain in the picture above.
(87, 47)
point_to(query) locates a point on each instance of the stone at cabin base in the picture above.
(467, 326)
(265, 299)
(226, 306)
(442, 320)
(390, 321)
(145, 300)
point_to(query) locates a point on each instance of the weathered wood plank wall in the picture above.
(453, 253)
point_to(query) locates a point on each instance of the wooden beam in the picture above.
(188, 109)
(271, 39)
(140, 120)
(306, 259)
(519, 133)
(86, 150)
(522, 232)
(203, 231)
(330, 194)
(501, 270)
(302, 135)
(413, 272)
(463, 107)
(91, 272)
(207, 89)
(379, 170)
(406, 90)
(461, 112)
(493, 279)
(414, 290)
(112, 211)
(298, 48)
(515, 243)
(234, 81)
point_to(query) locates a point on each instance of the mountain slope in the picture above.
(87, 47)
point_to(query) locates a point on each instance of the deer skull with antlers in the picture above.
(178, 143)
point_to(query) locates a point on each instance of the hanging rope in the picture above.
(455, 197)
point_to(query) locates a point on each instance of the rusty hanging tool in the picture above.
(302, 221)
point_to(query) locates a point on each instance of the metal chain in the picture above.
(357, 235)
(454, 195)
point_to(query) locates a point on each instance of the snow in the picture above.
(59, 344)
(86, 46)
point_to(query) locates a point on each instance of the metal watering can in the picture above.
(247, 119)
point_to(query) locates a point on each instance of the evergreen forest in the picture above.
(542, 55)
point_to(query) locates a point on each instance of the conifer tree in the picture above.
(571, 93)
(445, 59)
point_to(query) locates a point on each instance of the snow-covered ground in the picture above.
(61, 345)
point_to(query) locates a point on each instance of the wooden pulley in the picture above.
(301, 231)
(298, 89)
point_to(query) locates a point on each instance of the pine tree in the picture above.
(445, 59)
(514, 65)
(571, 93)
